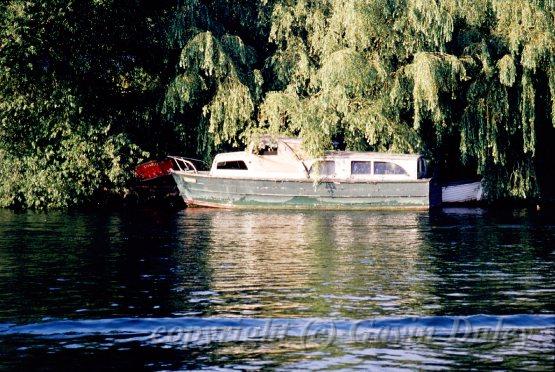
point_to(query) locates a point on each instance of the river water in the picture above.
(200, 288)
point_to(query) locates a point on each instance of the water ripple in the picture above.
(294, 327)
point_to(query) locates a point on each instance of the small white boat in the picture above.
(462, 192)
(276, 173)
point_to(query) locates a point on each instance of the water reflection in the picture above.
(336, 264)
(498, 264)
(210, 264)
(329, 264)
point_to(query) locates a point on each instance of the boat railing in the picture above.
(183, 164)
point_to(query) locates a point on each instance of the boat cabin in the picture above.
(284, 159)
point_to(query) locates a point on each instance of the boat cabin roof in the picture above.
(296, 144)
(284, 158)
(369, 155)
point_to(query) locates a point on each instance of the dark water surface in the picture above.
(458, 288)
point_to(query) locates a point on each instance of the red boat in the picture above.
(154, 169)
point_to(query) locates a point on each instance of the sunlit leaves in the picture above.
(507, 70)
(230, 112)
(433, 75)
(432, 22)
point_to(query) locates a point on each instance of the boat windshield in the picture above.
(234, 164)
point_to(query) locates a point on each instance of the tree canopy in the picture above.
(89, 88)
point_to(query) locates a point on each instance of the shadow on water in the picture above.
(490, 262)
(127, 287)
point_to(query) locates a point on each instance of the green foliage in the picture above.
(88, 87)
(66, 174)
(507, 70)
(217, 74)
(434, 75)
(71, 92)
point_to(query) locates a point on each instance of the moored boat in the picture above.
(276, 173)
(462, 192)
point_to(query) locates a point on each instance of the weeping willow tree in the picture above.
(431, 76)
(212, 100)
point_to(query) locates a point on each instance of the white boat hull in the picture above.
(462, 193)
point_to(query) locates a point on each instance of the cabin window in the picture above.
(233, 164)
(268, 150)
(361, 167)
(422, 168)
(382, 167)
(326, 168)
